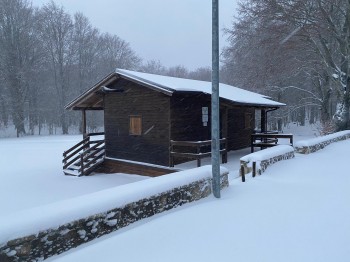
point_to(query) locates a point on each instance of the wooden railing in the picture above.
(195, 150)
(268, 140)
(83, 157)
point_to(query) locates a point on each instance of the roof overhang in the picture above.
(92, 99)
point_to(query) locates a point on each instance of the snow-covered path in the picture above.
(298, 210)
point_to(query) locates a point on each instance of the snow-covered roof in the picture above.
(169, 85)
(228, 92)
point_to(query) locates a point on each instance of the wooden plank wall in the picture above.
(164, 118)
(153, 145)
(238, 136)
(186, 117)
(186, 121)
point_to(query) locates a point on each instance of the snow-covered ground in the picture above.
(31, 170)
(233, 163)
(296, 211)
(31, 173)
(303, 132)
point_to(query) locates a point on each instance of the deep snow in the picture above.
(296, 211)
(321, 139)
(63, 212)
(31, 173)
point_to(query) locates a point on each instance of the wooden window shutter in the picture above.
(135, 127)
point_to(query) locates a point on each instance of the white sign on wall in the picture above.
(204, 110)
(205, 115)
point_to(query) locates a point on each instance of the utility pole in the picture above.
(215, 107)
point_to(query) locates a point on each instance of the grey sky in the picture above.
(176, 32)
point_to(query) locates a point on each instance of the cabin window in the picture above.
(248, 121)
(135, 127)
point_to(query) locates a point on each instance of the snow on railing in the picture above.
(256, 163)
(317, 143)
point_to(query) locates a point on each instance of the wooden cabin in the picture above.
(145, 113)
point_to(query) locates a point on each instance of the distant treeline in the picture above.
(297, 52)
(48, 57)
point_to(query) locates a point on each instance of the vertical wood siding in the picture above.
(153, 145)
(176, 117)
(186, 117)
(238, 136)
(186, 121)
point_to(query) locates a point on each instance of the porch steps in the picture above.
(83, 158)
(71, 172)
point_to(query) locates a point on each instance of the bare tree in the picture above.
(201, 73)
(177, 71)
(17, 55)
(287, 42)
(116, 53)
(86, 46)
(153, 67)
(56, 29)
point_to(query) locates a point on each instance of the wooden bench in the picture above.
(268, 140)
(197, 153)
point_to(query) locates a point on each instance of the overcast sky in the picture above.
(175, 32)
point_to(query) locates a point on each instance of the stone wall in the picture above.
(50, 242)
(307, 148)
(265, 163)
(262, 164)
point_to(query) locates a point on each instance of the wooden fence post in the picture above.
(242, 173)
(254, 169)
(198, 157)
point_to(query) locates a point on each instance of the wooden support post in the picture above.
(263, 121)
(84, 123)
(263, 126)
(242, 173)
(224, 157)
(171, 160)
(171, 157)
(82, 164)
(224, 123)
(254, 169)
(224, 154)
(198, 157)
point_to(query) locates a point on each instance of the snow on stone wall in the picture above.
(318, 143)
(266, 157)
(162, 194)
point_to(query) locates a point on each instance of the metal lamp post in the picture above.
(215, 116)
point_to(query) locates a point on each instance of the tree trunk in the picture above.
(346, 124)
(64, 122)
(18, 121)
